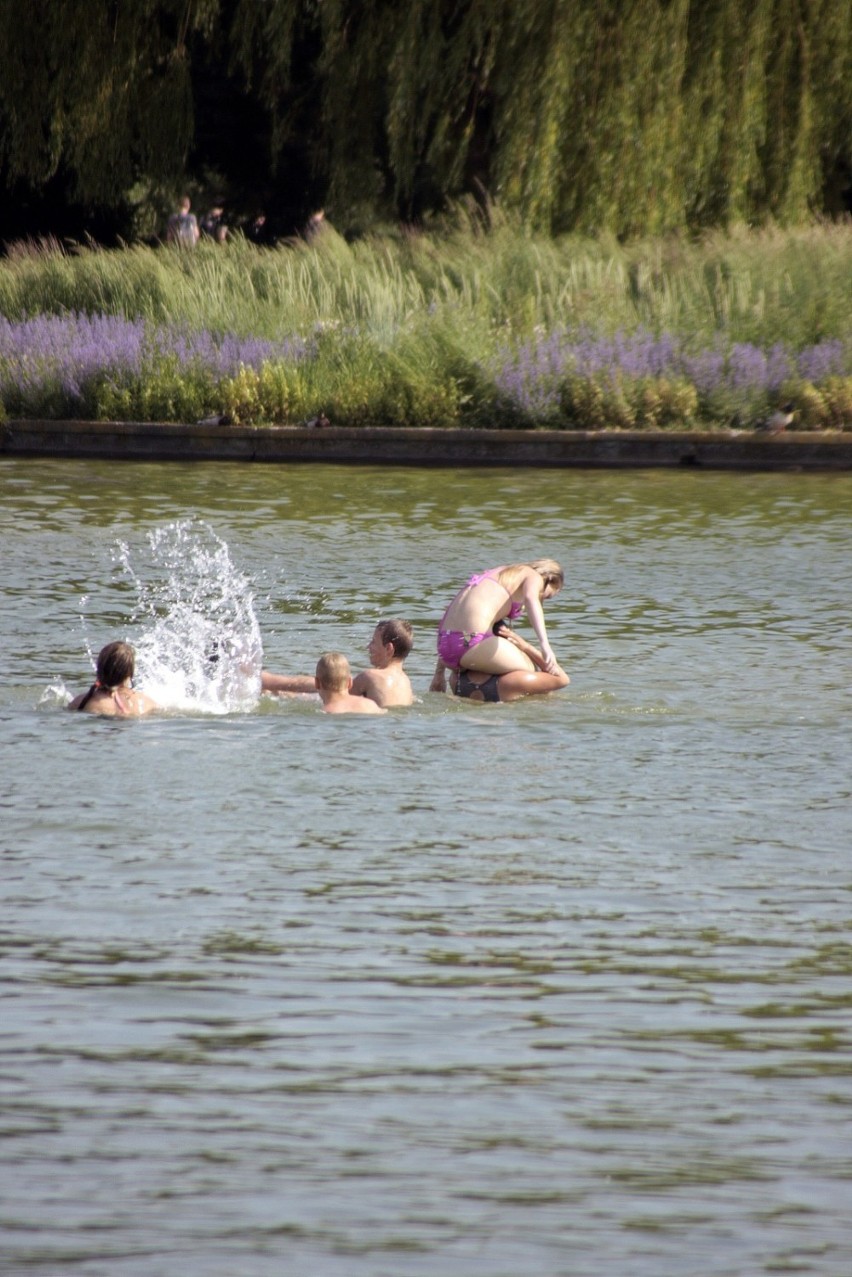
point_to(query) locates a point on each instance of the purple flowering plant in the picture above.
(76, 365)
(106, 367)
(558, 377)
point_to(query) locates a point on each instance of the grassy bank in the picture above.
(463, 327)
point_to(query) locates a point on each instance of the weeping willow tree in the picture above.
(625, 116)
(767, 100)
(587, 114)
(98, 88)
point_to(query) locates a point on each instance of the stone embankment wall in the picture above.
(151, 441)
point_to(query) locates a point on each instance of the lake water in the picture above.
(554, 988)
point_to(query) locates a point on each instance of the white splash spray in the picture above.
(197, 639)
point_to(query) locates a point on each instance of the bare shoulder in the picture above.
(366, 682)
(364, 705)
(371, 686)
(351, 704)
(388, 687)
(143, 704)
(97, 704)
(401, 691)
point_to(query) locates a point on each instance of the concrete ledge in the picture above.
(152, 441)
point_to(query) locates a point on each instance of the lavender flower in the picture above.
(730, 381)
(51, 361)
(826, 359)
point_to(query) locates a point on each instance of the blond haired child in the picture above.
(334, 683)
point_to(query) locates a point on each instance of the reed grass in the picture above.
(470, 324)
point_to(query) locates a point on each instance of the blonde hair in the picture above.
(548, 569)
(333, 672)
(550, 572)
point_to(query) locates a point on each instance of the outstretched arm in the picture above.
(528, 683)
(284, 683)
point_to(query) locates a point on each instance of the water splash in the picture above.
(55, 696)
(198, 645)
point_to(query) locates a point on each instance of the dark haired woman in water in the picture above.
(112, 692)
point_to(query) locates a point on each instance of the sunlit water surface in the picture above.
(560, 987)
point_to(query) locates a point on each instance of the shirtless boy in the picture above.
(386, 682)
(334, 684)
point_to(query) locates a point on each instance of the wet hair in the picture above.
(550, 572)
(116, 664)
(399, 634)
(333, 672)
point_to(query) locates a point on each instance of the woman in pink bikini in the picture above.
(468, 637)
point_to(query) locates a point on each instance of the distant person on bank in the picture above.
(213, 224)
(315, 225)
(182, 228)
(257, 230)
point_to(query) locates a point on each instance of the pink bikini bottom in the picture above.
(452, 645)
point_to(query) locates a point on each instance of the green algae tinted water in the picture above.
(561, 987)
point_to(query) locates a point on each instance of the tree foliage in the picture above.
(99, 87)
(625, 116)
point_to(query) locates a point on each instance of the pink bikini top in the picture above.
(515, 610)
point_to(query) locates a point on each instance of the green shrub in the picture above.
(583, 404)
(837, 393)
(666, 404)
(811, 408)
(162, 394)
(240, 396)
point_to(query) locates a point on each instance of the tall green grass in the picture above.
(406, 320)
(760, 286)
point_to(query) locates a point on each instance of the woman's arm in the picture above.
(520, 683)
(504, 632)
(532, 602)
